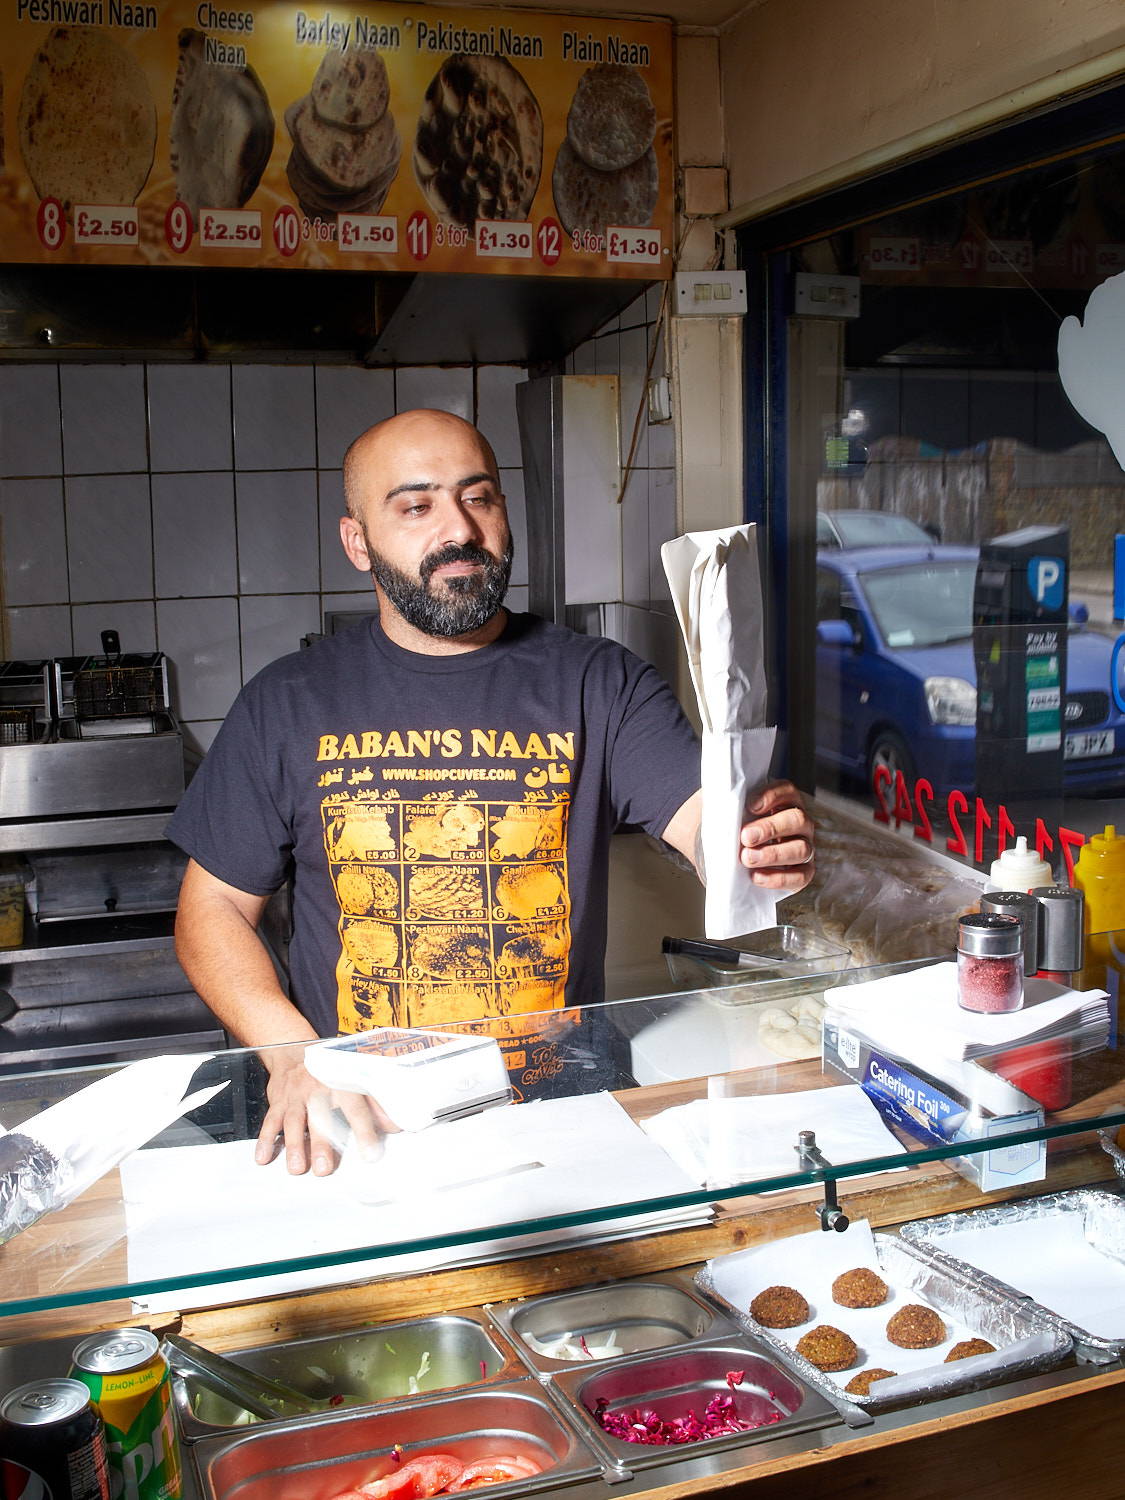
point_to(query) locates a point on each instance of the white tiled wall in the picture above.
(624, 347)
(194, 508)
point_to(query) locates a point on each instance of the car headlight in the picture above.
(951, 700)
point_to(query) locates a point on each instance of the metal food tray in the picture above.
(1104, 1227)
(651, 1313)
(313, 1458)
(1027, 1343)
(366, 1366)
(675, 1381)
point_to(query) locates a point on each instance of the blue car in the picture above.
(896, 681)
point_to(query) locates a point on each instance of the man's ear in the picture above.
(351, 535)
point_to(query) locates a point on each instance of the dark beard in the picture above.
(461, 605)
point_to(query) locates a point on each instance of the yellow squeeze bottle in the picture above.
(1099, 873)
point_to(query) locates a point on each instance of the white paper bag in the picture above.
(717, 594)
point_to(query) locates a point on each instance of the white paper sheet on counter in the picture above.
(724, 1141)
(716, 590)
(1053, 1263)
(200, 1209)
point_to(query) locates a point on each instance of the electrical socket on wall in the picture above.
(710, 294)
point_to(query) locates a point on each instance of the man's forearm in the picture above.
(222, 954)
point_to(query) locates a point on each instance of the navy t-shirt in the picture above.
(446, 818)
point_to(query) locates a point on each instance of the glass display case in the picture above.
(688, 1111)
(559, 1248)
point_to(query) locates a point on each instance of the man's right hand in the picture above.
(300, 1118)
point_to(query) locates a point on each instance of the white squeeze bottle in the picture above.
(1019, 869)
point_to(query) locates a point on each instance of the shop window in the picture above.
(959, 511)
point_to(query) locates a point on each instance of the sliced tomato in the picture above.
(431, 1473)
(397, 1485)
(350, 1495)
(500, 1469)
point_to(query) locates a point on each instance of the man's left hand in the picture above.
(777, 840)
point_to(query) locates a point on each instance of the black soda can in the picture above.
(52, 1443)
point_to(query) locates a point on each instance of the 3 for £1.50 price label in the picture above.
(97, 224)
(370, 232)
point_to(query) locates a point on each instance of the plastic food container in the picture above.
(367, 1366)
(783, 952)
(675, 1384)
(313, 1458)
(637, 1315)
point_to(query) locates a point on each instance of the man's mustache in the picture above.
(454, 552)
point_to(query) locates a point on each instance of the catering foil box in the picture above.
(1103, 1214)
(1027, 1342)
(962, 1102)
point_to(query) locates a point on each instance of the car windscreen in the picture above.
(922, 604)
(876, 529)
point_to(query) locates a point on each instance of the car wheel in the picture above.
(890, 749)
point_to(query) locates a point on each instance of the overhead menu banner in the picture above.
(369, 137)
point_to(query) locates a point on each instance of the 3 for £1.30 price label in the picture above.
(503, 238)
(99, 224)
(230, 229)
(633, 246)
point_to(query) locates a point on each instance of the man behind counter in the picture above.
(442, 782)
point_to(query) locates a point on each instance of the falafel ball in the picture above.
(779, 1307)
(828, 1348)
(915, 1327)
(860, 1385)
(968, 1347)
(859, 1288)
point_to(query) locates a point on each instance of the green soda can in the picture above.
(129, 1382)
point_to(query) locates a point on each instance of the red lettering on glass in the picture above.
(957, 802)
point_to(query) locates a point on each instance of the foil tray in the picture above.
(1103, 1214)
(1027, 1343)
(674, 1382)
(314, 1458)
(365, 1366)
(647, 1314)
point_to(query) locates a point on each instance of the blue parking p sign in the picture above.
(1046, 580)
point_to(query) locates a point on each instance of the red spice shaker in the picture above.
(989, 962)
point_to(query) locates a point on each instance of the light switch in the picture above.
(715, 294)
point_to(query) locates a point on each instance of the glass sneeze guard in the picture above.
(640, 1115)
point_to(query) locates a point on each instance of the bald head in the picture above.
(405, 438)
(427, 518)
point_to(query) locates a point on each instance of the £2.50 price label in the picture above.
(499, 237)
(633, 246)
(97, 224)
(370, 232)
(230, 228)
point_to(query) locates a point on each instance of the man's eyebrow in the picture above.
(422, 486)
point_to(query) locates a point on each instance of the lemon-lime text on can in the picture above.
(128, 1379)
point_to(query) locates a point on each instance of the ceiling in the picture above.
(702, 13)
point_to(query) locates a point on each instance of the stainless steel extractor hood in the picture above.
(91, 312)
